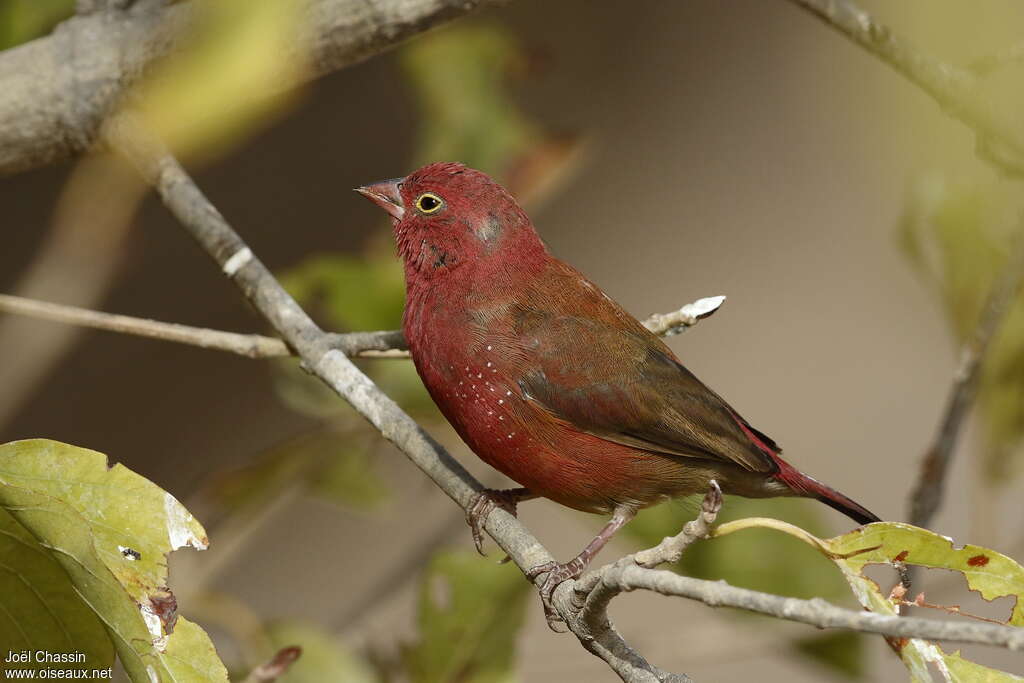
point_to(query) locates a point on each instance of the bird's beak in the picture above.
(386, 195)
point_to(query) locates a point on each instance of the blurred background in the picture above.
(670, 151)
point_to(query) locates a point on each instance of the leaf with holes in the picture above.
(991, 574)
(110, 530)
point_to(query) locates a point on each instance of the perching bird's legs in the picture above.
(482, 503)
(557, 573)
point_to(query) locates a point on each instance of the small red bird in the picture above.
(550, 381)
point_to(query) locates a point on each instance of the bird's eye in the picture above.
(429, 203)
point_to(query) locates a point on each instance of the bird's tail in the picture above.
(803, 485)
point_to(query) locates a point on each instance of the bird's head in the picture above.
(446, 215)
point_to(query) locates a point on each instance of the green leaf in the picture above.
(333, 464)
(23, 20)
(991, 574)
(956, 235)
(110, 531)
(842, 651)
(355, 293)
(470, 610)
(460, 77)
(40, 609)
(324, 657)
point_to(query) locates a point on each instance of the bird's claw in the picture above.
(556, 574)
(480, 507)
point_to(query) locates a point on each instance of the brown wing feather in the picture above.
(621, 383)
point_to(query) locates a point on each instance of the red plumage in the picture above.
(550, 381)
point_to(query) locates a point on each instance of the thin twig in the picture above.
(928, 491)
(999, 136)
(387, 344)
(384, 344)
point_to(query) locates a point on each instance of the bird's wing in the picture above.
(621, 383)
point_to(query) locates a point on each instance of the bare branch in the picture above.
(816, 612)
(928, 491)
(1000, 139)
(389, 344)
(53, 106)
(671, 548)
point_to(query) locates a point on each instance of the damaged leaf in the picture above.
(991, 574)
(110, 530)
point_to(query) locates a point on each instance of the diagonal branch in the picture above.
(206, 225)
(1000, 137)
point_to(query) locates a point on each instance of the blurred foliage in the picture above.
(957, 234)
(841, 652)
(223, 84)
(991, 574)
(355, 293)
(762, 562)
(330, 463)
(23, 20)
(470, 114)
(470, 610)
(110, 531)
(323, 657)
(41, 610)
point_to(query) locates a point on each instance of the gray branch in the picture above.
(386, 344)
(60, 88)
(1000, 137)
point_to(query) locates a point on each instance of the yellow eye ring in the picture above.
(429, 203)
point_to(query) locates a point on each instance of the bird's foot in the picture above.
(481, 505)
(557, 573)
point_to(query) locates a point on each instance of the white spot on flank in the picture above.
(237, 261)
(488, 347)
(501, 417)
(489, 363)
(479, 375)
(178, 520)
(500, 401)
(508, 393)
